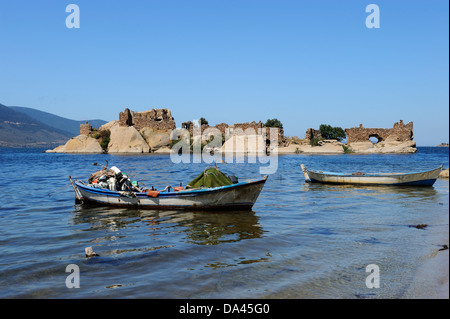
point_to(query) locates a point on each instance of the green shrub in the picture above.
(105, 142)
(315, 141)
(273, 123)
(347, 149)
(103, 137)
(332, 133)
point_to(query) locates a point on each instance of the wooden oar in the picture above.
(78, 196)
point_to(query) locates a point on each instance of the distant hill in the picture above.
(20, 130)
(58, 122)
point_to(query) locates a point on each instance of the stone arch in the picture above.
(377, 137)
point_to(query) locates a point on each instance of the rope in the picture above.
(57, 190)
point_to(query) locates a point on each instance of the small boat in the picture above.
(384, 179)
(238, 195)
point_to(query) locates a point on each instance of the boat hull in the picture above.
(236, 196)
(411, 179)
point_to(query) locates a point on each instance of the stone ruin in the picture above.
(85, 129)
(312, 133)
(157, 119)
(400, 132)
(238, 129)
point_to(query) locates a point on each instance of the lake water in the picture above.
(299, 241)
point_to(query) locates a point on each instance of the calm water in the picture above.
(300, 240)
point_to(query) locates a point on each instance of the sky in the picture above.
(305, 63)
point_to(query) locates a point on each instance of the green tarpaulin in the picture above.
(210, 177)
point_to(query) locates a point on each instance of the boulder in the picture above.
(109, 126)
(362, 147)
(79, 144)
(444, 173)
(126, 139)
(397, 147)
(155, 139)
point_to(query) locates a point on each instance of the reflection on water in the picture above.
(222, 227)
(406, 190)
(200, 228)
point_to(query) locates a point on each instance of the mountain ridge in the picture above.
(21, 127)
(56, 121)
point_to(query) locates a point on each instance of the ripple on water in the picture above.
(299, 241)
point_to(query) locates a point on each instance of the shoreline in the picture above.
(431, 279)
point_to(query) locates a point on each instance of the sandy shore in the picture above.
(432, 278)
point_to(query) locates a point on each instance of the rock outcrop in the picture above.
(384, 147)
(79, 144)
(126, 139)
(124, 136)
(108, 126)
(155, 139)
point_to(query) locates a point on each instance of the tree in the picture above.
(273, 123)
(332, 133)
(203, 121)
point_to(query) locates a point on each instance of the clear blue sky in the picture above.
(303, 62)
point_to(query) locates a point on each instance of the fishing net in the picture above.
(210, 177)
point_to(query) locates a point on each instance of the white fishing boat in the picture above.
(426, 178)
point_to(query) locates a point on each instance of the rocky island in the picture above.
(152, 131)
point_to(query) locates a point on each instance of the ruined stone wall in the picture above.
(242, 128)
(157, 119)
(312, 133)
(400, 132)
(257, 128)
(238, 129)
(85, 129)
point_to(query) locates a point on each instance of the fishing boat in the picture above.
(233, 195)
(384, 179)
